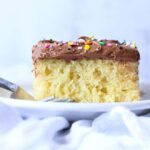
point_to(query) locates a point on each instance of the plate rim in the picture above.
(91, 107)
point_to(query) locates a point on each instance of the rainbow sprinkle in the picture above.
(87, 47)
(70, 43)
(102, 43)
(128, 44)
(124, 42)
(88, 42)
(133, 44)
(109, 45)
(80, 47)
(47, 46)
(92, 37)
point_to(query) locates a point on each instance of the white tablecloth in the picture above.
(118, 129)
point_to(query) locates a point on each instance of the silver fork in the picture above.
(19, 93)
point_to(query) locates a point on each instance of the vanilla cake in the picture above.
(87, 70)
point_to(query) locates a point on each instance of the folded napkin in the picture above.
(118, 129)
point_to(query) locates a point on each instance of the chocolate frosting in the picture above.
(85, 48)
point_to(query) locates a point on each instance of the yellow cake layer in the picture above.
(87, 80)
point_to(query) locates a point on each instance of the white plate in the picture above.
(75, 111)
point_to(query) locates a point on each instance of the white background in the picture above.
(24, 22)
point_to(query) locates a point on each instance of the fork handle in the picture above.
(8, 85)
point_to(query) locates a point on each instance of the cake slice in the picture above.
(87, 70)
